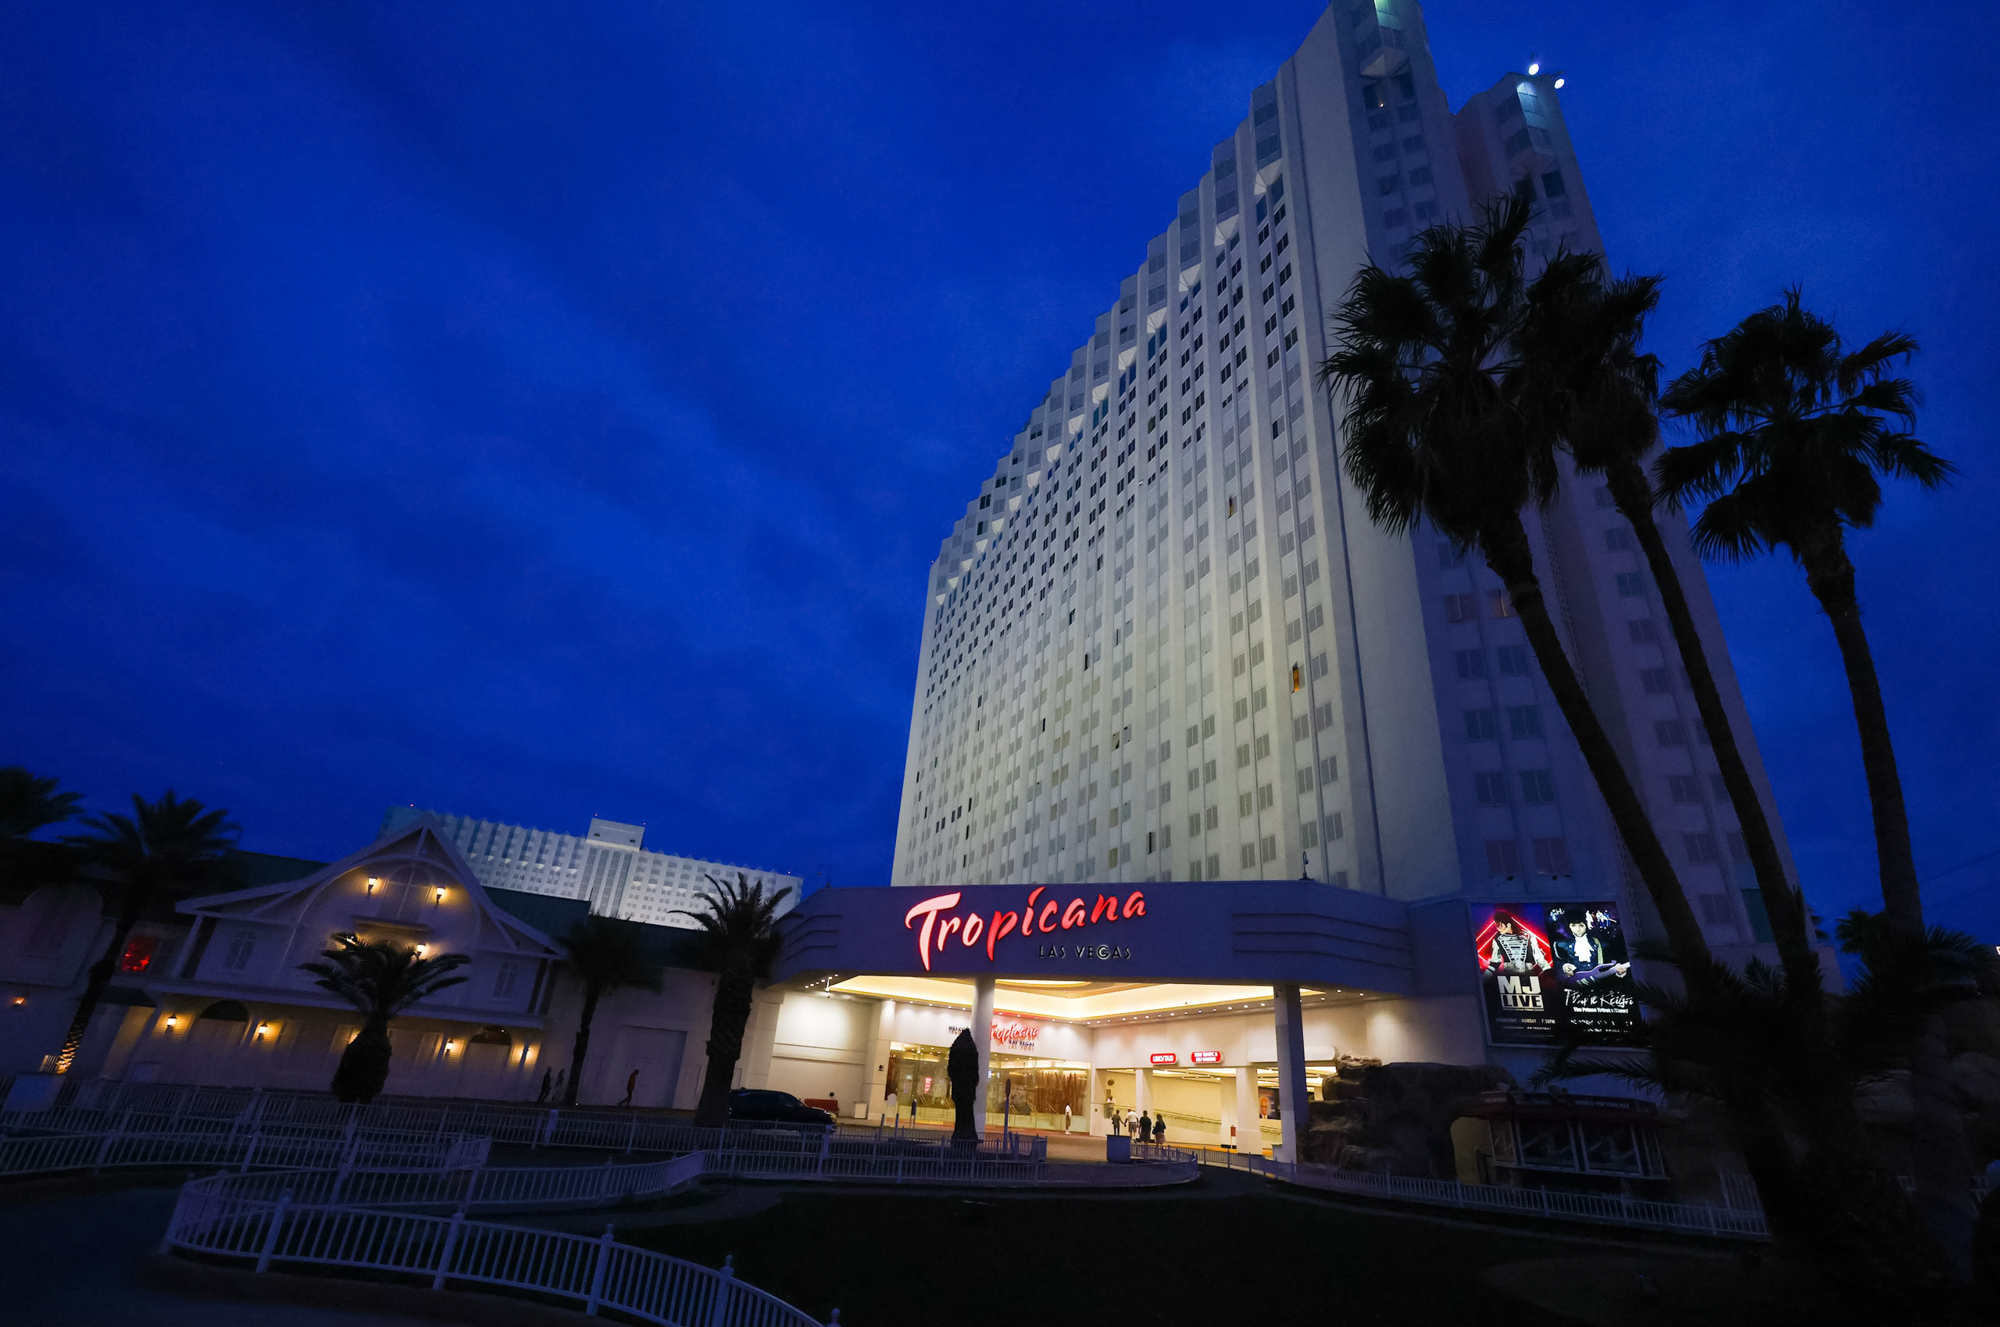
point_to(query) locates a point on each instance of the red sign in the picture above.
(1205, 1057)
(1165, 1057)
(1021, 1035)
(1051, 916)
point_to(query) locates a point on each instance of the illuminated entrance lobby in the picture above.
(1207, 1005)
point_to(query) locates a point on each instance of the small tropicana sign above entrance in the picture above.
(1038, 916)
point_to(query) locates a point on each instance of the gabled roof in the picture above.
(417, 842)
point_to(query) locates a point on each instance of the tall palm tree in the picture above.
(1436, 431)
(1796, 433)
(606, 953)
(739, 941)
(381, 979)
(1597, 392)
(163, 851)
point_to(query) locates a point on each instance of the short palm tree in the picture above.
(605, 953)
(381, 979)
(1596, 391)
(739, 941)
(1436, 431)
(163, 851)
(29, 802)
(1796, 433)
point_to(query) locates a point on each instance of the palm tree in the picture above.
(163, 851)
(29, 803)
(1596, 392)
(606, 953)
(1796, 431)
(739, 940)
(381, 979)
(1436, 431)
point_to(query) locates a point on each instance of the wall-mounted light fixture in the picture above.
(20, 1000)
(440, 894)
(422, 950)
(263, 1028)
(374, 883)
(450, 1046)
(173, 1021)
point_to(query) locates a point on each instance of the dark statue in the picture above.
(963, 1070)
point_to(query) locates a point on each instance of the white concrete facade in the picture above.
(1164, 641)
(608, 866)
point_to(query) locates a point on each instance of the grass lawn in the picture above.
(1227, 1250)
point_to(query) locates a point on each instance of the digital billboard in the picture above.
(1553, 973)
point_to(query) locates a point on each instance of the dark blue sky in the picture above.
(546, 411)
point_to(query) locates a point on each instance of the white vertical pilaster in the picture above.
(982, 1035)
(876, 1071)
(1293, 1112)
(1249, 1135)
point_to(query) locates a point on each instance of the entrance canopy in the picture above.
(1238, 933)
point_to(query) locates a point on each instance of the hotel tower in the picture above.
(1163, 641)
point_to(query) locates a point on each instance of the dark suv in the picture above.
(761, 1106)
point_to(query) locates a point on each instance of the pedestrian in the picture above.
(1066, 1117)
(557, 1090)
(546, 1080)
(1159, 1129)
(630, 1083)
(1145, 1127)
(1132, 1123)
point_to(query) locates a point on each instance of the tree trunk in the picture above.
(101, 973)
(591, 992)
(1509, 554)
(1938, 1150)
(1782, 903)
(731, 1015)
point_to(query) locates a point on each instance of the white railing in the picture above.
(1549, 1204)
(597, 1273)
(117, 1148)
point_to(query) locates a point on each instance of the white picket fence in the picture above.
(214, 1223)
(1545, 1204)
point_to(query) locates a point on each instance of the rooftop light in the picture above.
(1534, 67)
(1559, 82)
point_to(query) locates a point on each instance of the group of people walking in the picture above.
(1145, 1128)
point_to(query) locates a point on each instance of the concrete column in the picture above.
(1225, 1095)
(1249, 1137)
(875, 1073)
(982, 1035)
(1293, 1112)
(1142, 1091)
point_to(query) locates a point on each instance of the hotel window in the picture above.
(1501, 605)
(1552, 856)
(1618, 539)
(1700, 848)
(1654, 681)
(1386, 185)
(1245, 804)
(1329, 770)
(1491, 789)
(1715, 910)
(1481, 726)
(504, 978)
(1552, 184)
(1268, 848)
(1524, 721)
(1629, 584)
(1503, 857)
(1248, 856)
(1471, 663)
(1643, 630)
(1684, 789)
(1449, 554)
(1537, 789)
(1513, 660)
(1669, 732)
(1460, 608)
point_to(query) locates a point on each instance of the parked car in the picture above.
(762, 1106)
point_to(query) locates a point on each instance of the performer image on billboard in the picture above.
(1594, 972)
(1514, 949)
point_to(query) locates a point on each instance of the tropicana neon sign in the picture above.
(1031, 920)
